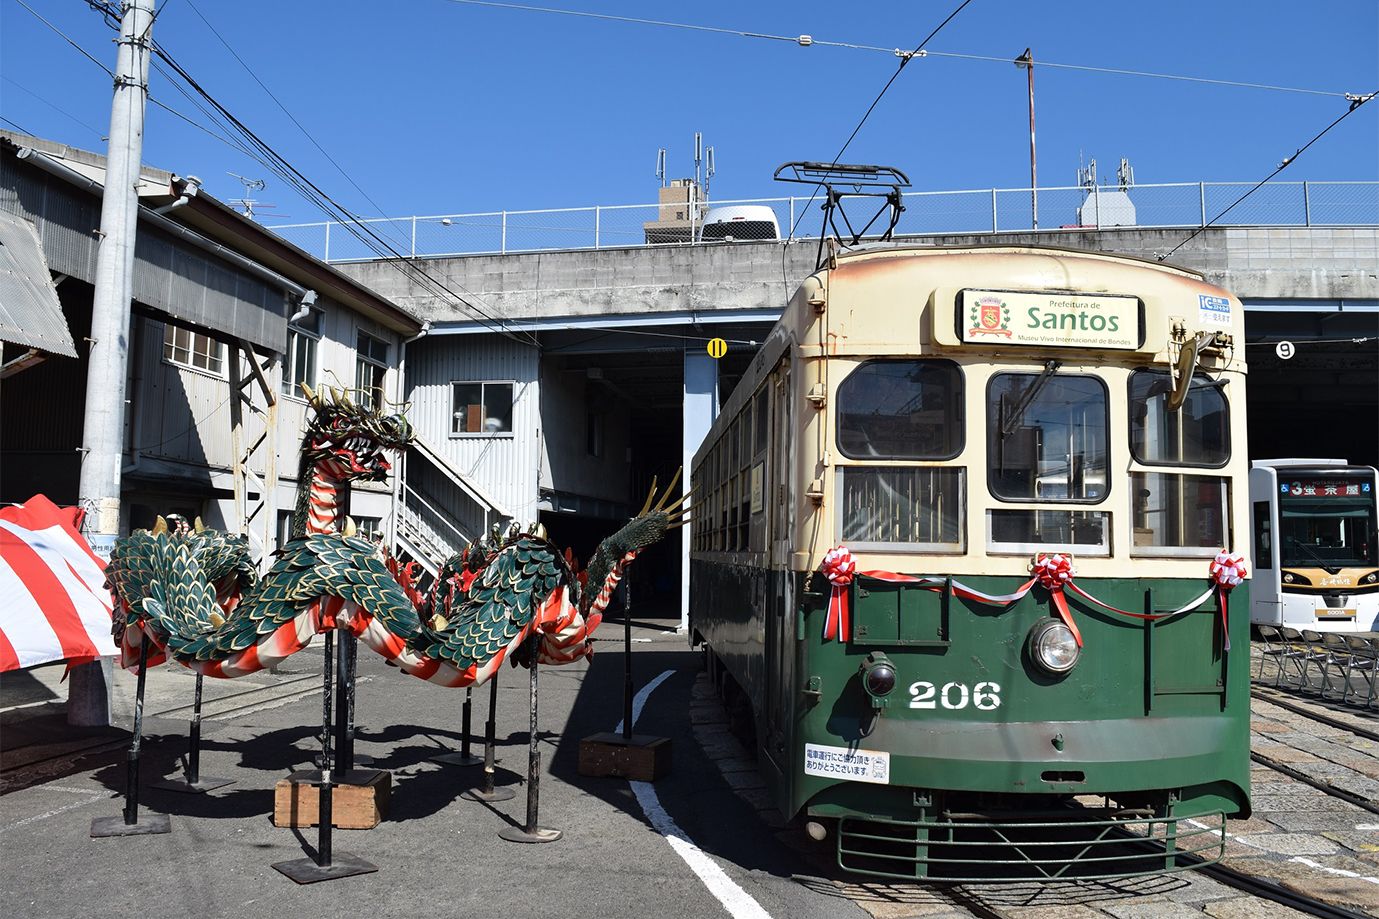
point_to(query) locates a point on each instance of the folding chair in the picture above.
(1364, 660)
(1337, 653)
(1275, 649)
(1316, 653)
(1298, 655)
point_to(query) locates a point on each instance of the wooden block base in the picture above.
(643, 757)
(359, 805)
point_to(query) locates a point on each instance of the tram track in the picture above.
(1296, 709)
(1277, 893)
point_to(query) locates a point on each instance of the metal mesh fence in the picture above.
(1279, 204)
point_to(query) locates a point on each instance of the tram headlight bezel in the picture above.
(879, 678)
(1053, 647)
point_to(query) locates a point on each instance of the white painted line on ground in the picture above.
(1341, 871)
(54, 812)
(735, 900)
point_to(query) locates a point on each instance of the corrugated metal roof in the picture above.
(30, 313)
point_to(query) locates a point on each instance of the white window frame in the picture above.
(220, 352)
(360, 358)
(295, 333)
(483, 399)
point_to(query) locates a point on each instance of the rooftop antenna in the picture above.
(1125, 174)
(1086, 175)
(703, 168)
(661, 166)
(250, 185)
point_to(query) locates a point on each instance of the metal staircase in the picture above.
(439, 509)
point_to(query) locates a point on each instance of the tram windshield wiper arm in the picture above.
(1013, 417)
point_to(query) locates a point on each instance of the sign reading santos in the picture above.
(1052, 320)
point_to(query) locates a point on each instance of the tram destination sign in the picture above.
(1049, 319)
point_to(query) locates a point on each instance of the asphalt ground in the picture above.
(437, 853)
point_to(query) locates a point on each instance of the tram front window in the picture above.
(1047, 437)
(1333, 532)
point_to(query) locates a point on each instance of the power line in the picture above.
(284, 108)
(1355, 103)
(61, 111)
(809, 41)
(904, 61)
(312, 192)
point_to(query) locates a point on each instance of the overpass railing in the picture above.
(992, 210)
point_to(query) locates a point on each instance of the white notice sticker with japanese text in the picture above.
(842, 763)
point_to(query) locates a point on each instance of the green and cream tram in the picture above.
(966, 542)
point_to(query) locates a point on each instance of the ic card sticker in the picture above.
(1213, 310)
(872, 766)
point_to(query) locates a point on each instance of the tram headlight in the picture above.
(1370, 578)
(878, 678)
(1053, 647)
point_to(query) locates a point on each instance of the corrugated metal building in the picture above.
(213, 291)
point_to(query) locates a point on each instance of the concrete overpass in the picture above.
(618, 333)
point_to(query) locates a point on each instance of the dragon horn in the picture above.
(651, 496)
(670, 489)
(310, 394)
(350, 527)
(160, 526)
(199, 526)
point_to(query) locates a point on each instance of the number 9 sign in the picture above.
(1284, 350)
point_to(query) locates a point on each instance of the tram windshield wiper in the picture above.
(1017, 412)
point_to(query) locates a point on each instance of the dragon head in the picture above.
(351, 438)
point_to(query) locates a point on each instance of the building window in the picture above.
(299, 366)
(481, 408)
(193, 349)
(370, 366)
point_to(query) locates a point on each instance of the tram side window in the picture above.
(903, 506)
(1180, 512)
(1264, 536)
(901, 409)
(1197, 434)
(1047, 437)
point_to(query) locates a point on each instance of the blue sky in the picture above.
(435, 106)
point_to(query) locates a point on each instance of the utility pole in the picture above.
(88, 699)
(1026, 61)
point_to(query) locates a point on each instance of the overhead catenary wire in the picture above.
(1356, 103)
(811, 41)
(904, 61)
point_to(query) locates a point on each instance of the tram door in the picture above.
(780, 594)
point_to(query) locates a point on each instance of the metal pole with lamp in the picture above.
(1026, 61)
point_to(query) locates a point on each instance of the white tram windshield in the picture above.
(1327, 521)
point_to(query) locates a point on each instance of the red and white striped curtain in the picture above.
(52, 602)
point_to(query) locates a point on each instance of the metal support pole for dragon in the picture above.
(193, 782)
(129, 824)
(488, 793)
(328, 864)
(532, 832)
(464, 757)
(346, 759)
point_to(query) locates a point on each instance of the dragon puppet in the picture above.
(192, 592)
(334, 580)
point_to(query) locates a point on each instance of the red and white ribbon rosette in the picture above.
(838, 566)
(1226, 571)
(1055, 572)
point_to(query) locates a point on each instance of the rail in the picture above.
(975, 211)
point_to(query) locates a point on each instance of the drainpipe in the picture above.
(190, 186)
(402, 459)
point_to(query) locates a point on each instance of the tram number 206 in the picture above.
(983, 696)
